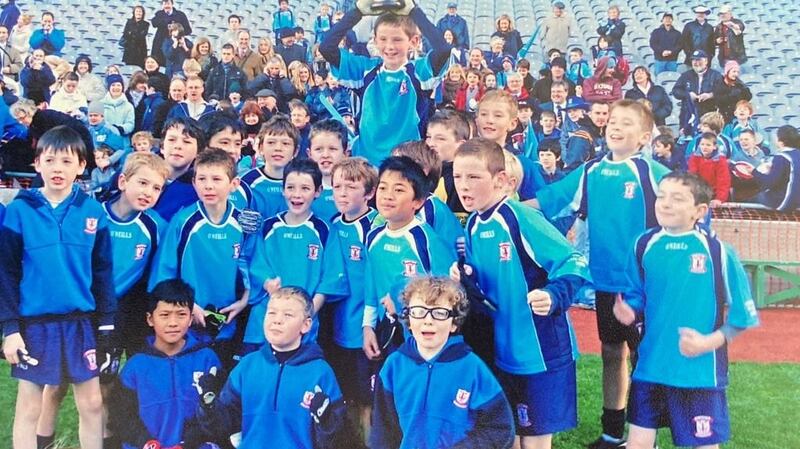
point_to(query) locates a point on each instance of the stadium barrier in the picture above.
(768, 244)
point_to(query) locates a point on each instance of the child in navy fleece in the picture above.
(285, 394)
(58, 306)
(147, 408)
(434, 392)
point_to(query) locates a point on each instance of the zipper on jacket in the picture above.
(172, 373)
(277, 387)
(427, 386)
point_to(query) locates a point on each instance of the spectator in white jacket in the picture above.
(69, 99)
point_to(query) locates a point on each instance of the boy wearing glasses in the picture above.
(459, 403)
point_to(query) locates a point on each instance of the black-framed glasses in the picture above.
(438, 313)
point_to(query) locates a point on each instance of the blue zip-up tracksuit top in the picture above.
(450, 401)
(54, 261)
(269, 402)
(158, 393)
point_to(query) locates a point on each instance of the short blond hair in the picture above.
(142, 135)
(713, 120)
(431, 289)
(502, 97)
(644, 113)
(489, 151)
(296, 294)
(358, 169)
(137, 161)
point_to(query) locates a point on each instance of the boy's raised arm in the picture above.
(440, 49)
(329, 48)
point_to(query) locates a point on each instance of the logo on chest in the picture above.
(698, 264)
(409, 268)
(237, 250)
(313, 252)
(139, 253)
(355, 253)
(306, 402)
(91, 226)
(630, 190)
(462, 398)
(505, 251)
(403, 88)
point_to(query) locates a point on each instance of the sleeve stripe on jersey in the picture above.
(649, 186)
(321, 230)
(189, 227)
(535, 276)
(580, 202)
(427, 212)
(420, 244)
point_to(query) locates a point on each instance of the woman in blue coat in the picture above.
(643, 87)
(176, 49)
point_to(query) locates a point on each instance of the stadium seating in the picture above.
(94, 27)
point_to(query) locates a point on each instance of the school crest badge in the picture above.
(306, 402)
(505, 251)
(237, 250)
(630, 190)
(91, 226)
(139, 253)
(355, 253)
(522, 416)
(462, 398)
(698, 264)
(403, 88)
(90, 359)
(409, 268)
(313, 252)
(702, 426)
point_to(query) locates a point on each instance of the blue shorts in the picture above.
(696, 416)
(66, 351)
(543, 403)
(354, 372)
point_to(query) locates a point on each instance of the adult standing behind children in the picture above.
(455, 23)
(161, 21)
(556, 29)
(134, 38)
(698, 35)
(376, 80)
(667, 43)
(613, 29)
(729, 37)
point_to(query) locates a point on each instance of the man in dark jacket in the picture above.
(161, 20)
(666, 43)
(697, 85)
(288, 49)
(698, 35)
(455, 23)
(225, 76)
(729, 37)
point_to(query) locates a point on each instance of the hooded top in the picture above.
(58, 263)
(157, 393)
(602, 87)
(269, 401)
(452, 400)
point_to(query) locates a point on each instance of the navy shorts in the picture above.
(543, 403)
(609, 328)
(65, 349)
(354, 372)
(696, 416)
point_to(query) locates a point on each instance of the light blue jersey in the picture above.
(133, 245)
(617, 199)
(324, 207)
(267, 192)
(515, 250)
(294, 253)
(205, 255)
(686, 280)
(444, 222)
(347, 247)
(394, 100)
(394, 258)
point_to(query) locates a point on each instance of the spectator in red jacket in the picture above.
(713, 167)
(471, 92)
(603, 87)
